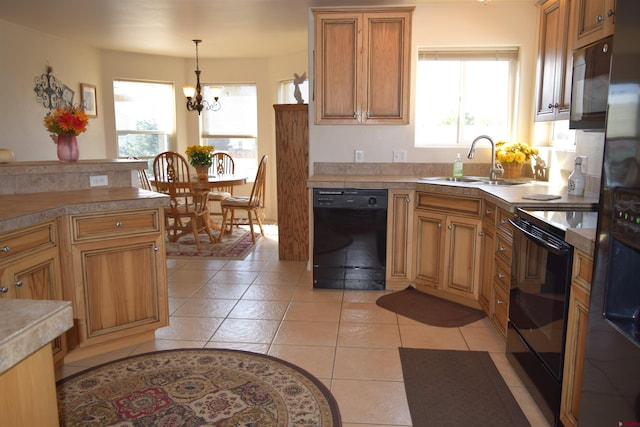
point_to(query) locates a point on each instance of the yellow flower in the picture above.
(200, 155)
(514, 152)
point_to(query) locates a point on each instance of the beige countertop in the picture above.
(23, 210)
(27, 325)
(583, 239)
(506, 196)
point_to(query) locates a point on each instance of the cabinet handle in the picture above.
(599, 18)
(118, 224)
(488, 212)
(156, 249)
(18, 283)
(6, 249)
(4, 289)
(499, 302)
(504, 221)
(610, 13)
(502, 249)
(500, 276)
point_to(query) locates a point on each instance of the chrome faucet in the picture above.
(495, 170)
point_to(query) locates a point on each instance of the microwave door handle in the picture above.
(557, 250)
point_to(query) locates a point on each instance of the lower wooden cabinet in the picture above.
(448, 246)
(117, 265)
(576, 338)
(30, 269)
(399, 235)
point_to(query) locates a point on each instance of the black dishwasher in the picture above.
(349, 238)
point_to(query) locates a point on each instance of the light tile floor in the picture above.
(269, 306)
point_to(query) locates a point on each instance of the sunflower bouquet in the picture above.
(514, 152)
(200, 155)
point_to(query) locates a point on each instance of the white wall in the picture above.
(440, 25)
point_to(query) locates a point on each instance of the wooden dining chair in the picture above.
(143, 178)
(188, 210)
(250, 203)
(223, 164)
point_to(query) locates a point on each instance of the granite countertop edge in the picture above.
(28, 325)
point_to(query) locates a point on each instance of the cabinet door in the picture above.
(399, 224)
(555, 62)
(463, 255)
(430, 245)
(338, 62)
(387, 51)
(594, 20)
(122, 287)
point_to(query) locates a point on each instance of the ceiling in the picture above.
(227, 28)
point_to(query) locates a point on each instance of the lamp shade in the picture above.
(189, 91)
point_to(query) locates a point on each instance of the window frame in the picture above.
(508, 53)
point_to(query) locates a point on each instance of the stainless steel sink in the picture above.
(468, 179)
(480, 180)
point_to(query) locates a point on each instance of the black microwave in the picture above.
(590, 85)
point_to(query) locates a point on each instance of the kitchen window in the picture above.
(234, 127)
(144, 118)
(463, 94)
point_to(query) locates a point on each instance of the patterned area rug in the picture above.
(205, 387)
(234, 246)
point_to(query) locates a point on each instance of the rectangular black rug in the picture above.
(457, 388)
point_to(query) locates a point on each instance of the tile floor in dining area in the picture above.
(269, 306)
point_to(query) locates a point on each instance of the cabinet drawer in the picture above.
(450, 204)
(114, 224)
(582, 271)
(503, 249)
(28, 240)
(503, 222)
(489, 213)
(503, 275)
(500, 309)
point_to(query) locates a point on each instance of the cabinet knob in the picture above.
(504, 221)
(480, 234)
(156, 249)
(499, 302)
(6, 249)
(18, 283)
(610, 13)
(502, 249)
(4, 289)
(449, 227)
(355, 115)
(550, 106)
(488, 212)
(407, 199)
(599, 18)
(500, 276)
(118, 224)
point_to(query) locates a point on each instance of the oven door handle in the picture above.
(555, 249)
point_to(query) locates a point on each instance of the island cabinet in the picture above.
(594, 20)
(118, 277)
(447, 235)
(362, 64)
(400, 236)
(576, 337)
(30, 269)
(555, 62)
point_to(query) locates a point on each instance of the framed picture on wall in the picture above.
(88, 99)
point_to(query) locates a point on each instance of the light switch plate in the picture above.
(359, 156)
(399, 156)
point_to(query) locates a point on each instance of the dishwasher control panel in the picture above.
(349, 198)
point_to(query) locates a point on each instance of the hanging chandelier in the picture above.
(194, 94)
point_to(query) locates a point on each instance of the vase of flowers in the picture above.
(65, 123)
(200, 158)
(512, 155)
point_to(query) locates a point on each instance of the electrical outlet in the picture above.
(359, 156)
(98, 181)
(399, 156)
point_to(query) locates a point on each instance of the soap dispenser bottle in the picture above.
(575, 184)
(458, 166)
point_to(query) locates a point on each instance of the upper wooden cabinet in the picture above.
(555, 62)
(594, 20)
(362, 64)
